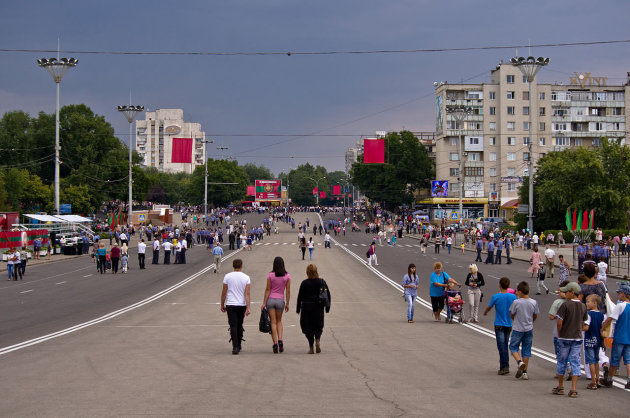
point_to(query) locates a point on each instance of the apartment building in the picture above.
(579, 111)
(165, 141)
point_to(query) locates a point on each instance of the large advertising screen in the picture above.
(439, 188)
(268, 189)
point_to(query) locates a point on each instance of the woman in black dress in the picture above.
(312, 312)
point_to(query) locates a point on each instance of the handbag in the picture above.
(323, 294)
(367, 254)
(264, 325)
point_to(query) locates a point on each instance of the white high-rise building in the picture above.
(165, 131)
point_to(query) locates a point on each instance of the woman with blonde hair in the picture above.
(310, 309)
(474, 281)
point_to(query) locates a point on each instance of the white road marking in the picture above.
(87, 275)
(267, 243)
(354, 245)
(60, 283)
(407, 245)
(26, 291)
(43, 338)
(284, 243)
(276, 243)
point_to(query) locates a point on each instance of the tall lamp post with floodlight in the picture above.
(317, 187)
(529, 67)
(57, 67)
(205, 183)
(460, 113)
(130, 112)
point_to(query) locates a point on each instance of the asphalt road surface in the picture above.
(154, 342)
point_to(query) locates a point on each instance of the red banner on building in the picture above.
(322, 195)
(251, 190)
(336, 190)
(181, 151)
(374, 151)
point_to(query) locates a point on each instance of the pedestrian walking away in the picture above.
(217, 253)
(502, 322)
(524, 312)
(278, 283)
(310, 308)
(235, 300)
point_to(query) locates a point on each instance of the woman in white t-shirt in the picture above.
(602, 269)
(311, 247)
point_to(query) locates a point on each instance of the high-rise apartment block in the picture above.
(581, 111)
(165, 141)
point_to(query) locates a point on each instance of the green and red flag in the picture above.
(592, 219)
(567, 220)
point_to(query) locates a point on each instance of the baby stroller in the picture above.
(454, 305)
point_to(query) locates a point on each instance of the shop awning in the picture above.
(511, 204)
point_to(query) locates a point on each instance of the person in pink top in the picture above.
(278, 283)
(534, 261)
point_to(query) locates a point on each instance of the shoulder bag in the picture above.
(323, 294)
(264, 325)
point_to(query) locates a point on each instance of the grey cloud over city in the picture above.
(335, 99)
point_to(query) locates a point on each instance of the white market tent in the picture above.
(59, 218)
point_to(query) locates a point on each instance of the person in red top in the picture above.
(115, 256)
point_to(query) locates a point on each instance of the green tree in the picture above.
(257, 172)
(219, 171)
(79, 197)
(407, 168)
(303, 180)
(581, 179)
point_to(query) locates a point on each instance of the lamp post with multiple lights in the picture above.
(130, 112)
(460, 113)
(57, 67)
(205, 183)
(529, 67)
(317, 187)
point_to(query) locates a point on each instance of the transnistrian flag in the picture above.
(592, 220)
(336, 190)
(251, 190)
(315, 190)
(567, 220)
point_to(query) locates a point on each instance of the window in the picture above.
(493, 172)
(510, 79)
(511, 156)
(541, 96)
(474, 156)
(541, 141)
(510, 95)
(452, 186)
(577, 142)
(541, 126)
(526, 156)
(510, 126)
(559, 112)
(474, 125)
(492, 95)
(511, 140)
(474, 171)
(524, 79)
(596, 142)
(511, 187)
(492, 156)
(599, 126)
(454, 172)
(493, 110)
(492, 126)
(474, 140)
(525, 110)
(510, 110)
(542, 154)
(541, 111)
(559, 126)
(453, 141)
(454, 156)
(511, 171)
(525, 95)
(526, 126)
(493, 187)
(562, 141)
(492, 141)
(525, 140)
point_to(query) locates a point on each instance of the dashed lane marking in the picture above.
(26, 291)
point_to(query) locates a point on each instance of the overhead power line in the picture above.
(290, 53)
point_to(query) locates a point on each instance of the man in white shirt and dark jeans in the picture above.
(235, 301)
(142, 248)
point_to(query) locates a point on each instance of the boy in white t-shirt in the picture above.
(602, 268)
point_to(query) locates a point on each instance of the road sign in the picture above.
(65, 208)
(142, 218)
(454, 216)
(523, 208)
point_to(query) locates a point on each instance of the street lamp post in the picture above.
(57, 67)
(130, 112)
(460, 113)
(205, 183)
(317, 187)
(529, 67)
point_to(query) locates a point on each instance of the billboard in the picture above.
(268, 189)
(439, 188)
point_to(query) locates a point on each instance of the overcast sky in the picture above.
(345, 96)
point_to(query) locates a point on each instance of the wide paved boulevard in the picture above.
(154, 342)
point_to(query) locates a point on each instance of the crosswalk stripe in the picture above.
(354, 245)
(276, 243)
(284, 243)
(363, 245)
(267, 243)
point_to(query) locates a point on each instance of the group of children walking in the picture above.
(579, 325)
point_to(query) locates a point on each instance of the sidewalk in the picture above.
(43, 260)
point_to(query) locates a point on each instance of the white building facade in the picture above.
(156, 134)
(495, 138)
